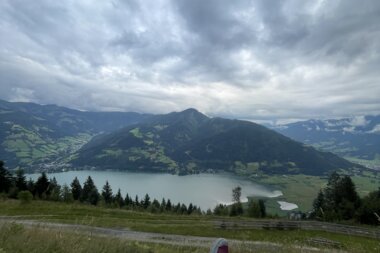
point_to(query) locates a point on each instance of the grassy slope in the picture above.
(57, 241)
(374, 163)
(186, 225)
(302, 189)
(31, 147)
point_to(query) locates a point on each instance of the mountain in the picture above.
(190, 142)
(356, 138)
(33, 134)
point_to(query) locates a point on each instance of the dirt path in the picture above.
(161, 238)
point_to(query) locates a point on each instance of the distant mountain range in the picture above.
(180, 142)
(356, 138)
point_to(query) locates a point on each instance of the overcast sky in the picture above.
(257, 60)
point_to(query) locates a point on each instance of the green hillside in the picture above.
(33, 135)
(190, 142)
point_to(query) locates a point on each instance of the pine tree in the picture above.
(183, 209)
(137, 202)
(107, 193)
(90, 193)
(339, 200)
(331, 191)
(20, 180)
(5, 178)
(146, 202)
(233, 210)
(156, 204)
(319, 205)
(55, 190)
(177, 208)
(262, 208)
(66, 194)
(168, 207)
(370, 209)
(163, 205)
(220, 210)
(42, 186)
(347, 190)
(76, 189)
(31, 186)
(94, 196)
(350, 199)
(254, 209)
(119, 199)
(190, 208)
(236, 194)
(127, 200)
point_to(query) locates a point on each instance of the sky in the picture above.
(259, 60)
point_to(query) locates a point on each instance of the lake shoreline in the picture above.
(205, 190)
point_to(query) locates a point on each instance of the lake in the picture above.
(203, 190)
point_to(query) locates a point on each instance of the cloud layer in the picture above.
(257, 60)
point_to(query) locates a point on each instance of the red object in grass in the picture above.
(219, 246)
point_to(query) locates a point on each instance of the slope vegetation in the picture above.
(32, 134)
(190, 142)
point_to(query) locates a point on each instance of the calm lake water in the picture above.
(203, 190)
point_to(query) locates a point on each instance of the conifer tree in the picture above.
(146, 202)
(90, 193)
(107, 193)
(136, 203)
(5, 178)
(55, 190)
(263, 210)
(127, 200)
(66, 194)
(162, 205)
(183, 209)
(76, 189)
(155, 205)
(168, 205)
(190, 208)
(319, 206)
(254, 209)
(20, 180)
(31, 186)
(119, 199)
(42, 186)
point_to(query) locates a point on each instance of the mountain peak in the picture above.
(193, 113)
(190, 110)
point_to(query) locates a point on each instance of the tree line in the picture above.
(16, 186)
(255, 208)
(339, 200)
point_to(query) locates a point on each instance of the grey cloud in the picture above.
(261, 59)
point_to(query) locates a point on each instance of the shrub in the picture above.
(25, 197)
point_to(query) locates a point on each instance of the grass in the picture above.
(110, 152)
(368, 163)
(366, 182)
(45, 240)
(302, 189)
(32, 147)
(136, 132)
(172, 224)
(299, 189)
